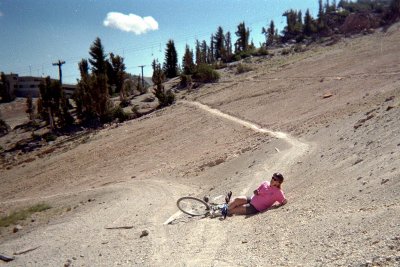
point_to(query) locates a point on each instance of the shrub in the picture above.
(298, 48)
(165, 98)
(242, 68)
(4, 128)
(286, 51)
(262, 51)
(206, 74)
(49, 137)
(186, 80)
(119, 113)
(124, 103)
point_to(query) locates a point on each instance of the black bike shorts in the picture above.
(250, 209)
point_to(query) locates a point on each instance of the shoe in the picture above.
(224, 210)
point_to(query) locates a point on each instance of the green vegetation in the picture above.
(4, 127)
(21, 215)
(5, 89)
(165, 97)
(206, 74)
(242, 68)
(171, 60)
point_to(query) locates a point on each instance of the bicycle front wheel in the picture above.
(193, 206)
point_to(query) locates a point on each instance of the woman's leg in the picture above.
(236, 206)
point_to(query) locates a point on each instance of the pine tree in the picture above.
(171, 60)
(30, 107)
(218, 41)
(6, 94)
(211, 51)
(395, 8)
(98, 60)
(116, 72)
(309, 27)
(99, 88)
(165, 98)
(228, 43)
(50, 96)
(243, 34)
(321, 16)
(198, 52)
(187, 61)
(269, 33)
(204, 52)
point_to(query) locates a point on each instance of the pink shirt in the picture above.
(267, 196)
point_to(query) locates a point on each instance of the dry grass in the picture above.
(21, 215)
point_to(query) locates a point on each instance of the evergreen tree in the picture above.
(309, 24)
(187, 61)
(395, 8)
(218, 42)
(5, 89)
(204, 52)
(50, 96)
(211, 51)
(164, 97)
(228, 43)
(243, 34)
(321, 16)
(116, 72)
(171, 60)
(81, 95)
(99, 88)
(98, 58)
(269, 33)
(198, 52)
(294, 27)
(30, 107)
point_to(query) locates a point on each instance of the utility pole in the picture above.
(59, 64)
(142, 66)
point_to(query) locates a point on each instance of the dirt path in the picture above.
(286, 157)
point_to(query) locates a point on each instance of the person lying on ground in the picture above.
(265, 197)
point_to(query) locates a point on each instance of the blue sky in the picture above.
(36, 33)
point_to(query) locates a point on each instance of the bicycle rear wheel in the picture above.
(193, 206)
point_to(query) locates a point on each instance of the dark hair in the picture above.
(278, 176)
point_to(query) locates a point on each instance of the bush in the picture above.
(49, 137)
(165, 98)
(298, 48)
(286, 51)
(4, 128)
(242, 68)
(262, 51)
(186, 80)
(119, 113)
(206, 74)
(124, 103)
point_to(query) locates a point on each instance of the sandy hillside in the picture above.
(339, 155)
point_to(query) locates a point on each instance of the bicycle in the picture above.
(201, 207)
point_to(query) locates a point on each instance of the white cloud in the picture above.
(130, 23)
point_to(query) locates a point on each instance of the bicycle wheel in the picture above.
(193, 206)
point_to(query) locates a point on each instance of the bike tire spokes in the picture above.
(193, 206)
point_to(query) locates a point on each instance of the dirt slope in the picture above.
(340, 156)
